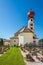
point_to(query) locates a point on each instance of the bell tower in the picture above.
(31, 20)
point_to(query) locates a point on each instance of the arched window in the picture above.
(14, 40)
(31, 28)
(31, 24)
(31, 19)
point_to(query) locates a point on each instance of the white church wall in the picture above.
(25, 38)
(28, 38)
(14, 42)
(21, 39)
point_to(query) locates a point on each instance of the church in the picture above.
(25, 34)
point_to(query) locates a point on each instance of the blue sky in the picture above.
(13, 16)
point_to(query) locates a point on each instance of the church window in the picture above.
(31, 20)
(31, 28)
(14, 40)
(34, 37)
(34, 41)
(31, 24)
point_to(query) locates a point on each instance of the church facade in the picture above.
(25, 34)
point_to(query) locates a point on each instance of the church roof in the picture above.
(15, 37)
(26, 30)
(23, 29)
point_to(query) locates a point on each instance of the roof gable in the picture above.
(23, 29)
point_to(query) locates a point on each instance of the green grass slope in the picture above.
(12, 57)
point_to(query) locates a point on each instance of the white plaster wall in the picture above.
(28, 37)
(21, 40)
(31, 22)
(14, 42)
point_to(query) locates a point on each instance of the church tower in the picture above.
(31, 20)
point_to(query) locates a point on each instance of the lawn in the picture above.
(12, 57)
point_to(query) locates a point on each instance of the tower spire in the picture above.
(31, 20)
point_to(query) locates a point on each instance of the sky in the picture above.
(13, 16)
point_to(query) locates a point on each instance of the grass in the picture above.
(12, 57)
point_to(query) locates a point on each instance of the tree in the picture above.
(41, 42)
(1, 42)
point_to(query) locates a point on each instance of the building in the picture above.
(25, 34)
(6, 42)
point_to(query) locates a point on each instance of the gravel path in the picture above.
(33, 63)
